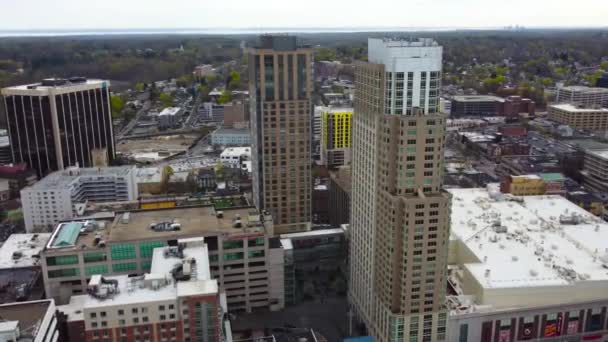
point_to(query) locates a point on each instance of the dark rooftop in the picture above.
(29, 315)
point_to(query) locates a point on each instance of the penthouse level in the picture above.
(244, 258)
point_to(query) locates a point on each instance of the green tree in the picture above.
(140, 86)
(604, 65)
(166, 99)
(185, 80)
(118, 104)
(492, 84)
(234, 80)
(225, 97)
(325, 54)
(501, 70)
(547, 81)
(168, 171)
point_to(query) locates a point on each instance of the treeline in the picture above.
(123, 58)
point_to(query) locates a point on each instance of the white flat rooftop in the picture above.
(67, 85)
(131, 289)
(319, 232)
(598, 153)
(520, 242)
(236, 152)
(27, 246)
(575, 109)
(169, 111)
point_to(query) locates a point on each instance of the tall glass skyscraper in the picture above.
(60, 123)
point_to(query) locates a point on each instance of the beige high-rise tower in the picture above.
(399, 212)
(280, 93)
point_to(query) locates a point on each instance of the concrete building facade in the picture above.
(399, 213)
(247, 262)
(339, 197)
(595, 170)
(280, 87)
(336, 136)
(53, 198)
(231, 137)
(60, 123)
(177, 301)
(581, 118)
(588, 97)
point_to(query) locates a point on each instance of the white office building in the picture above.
(588, 97)
(54, 198)
(168, 117)
(235, 156)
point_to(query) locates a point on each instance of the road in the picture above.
(194, 111)
(329, 318)
(133, 122)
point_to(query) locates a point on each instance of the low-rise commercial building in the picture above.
(248, 265)
(487, 105)
(236, 114)
(53, 198)
(583, 96)
(203, 70)
(178, 300)
(518, 165)
(231, 137)
(525, 185)
(150, 180)
(235, 156)
(168, 117)
(18, 177)
(526, 268)
(336, 136)
(554, 183)
(318, 249)
(20, 272)
(587, 201)
(33, 321)
(578, 117)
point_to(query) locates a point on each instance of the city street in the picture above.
(329, 318)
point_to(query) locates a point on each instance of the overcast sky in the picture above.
(137, 14)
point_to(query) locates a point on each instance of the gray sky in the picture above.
(133, 14)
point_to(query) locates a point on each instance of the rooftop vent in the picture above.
(102, 288)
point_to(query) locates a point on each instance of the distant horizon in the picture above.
(57, 32)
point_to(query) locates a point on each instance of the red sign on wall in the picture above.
(550, 330)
